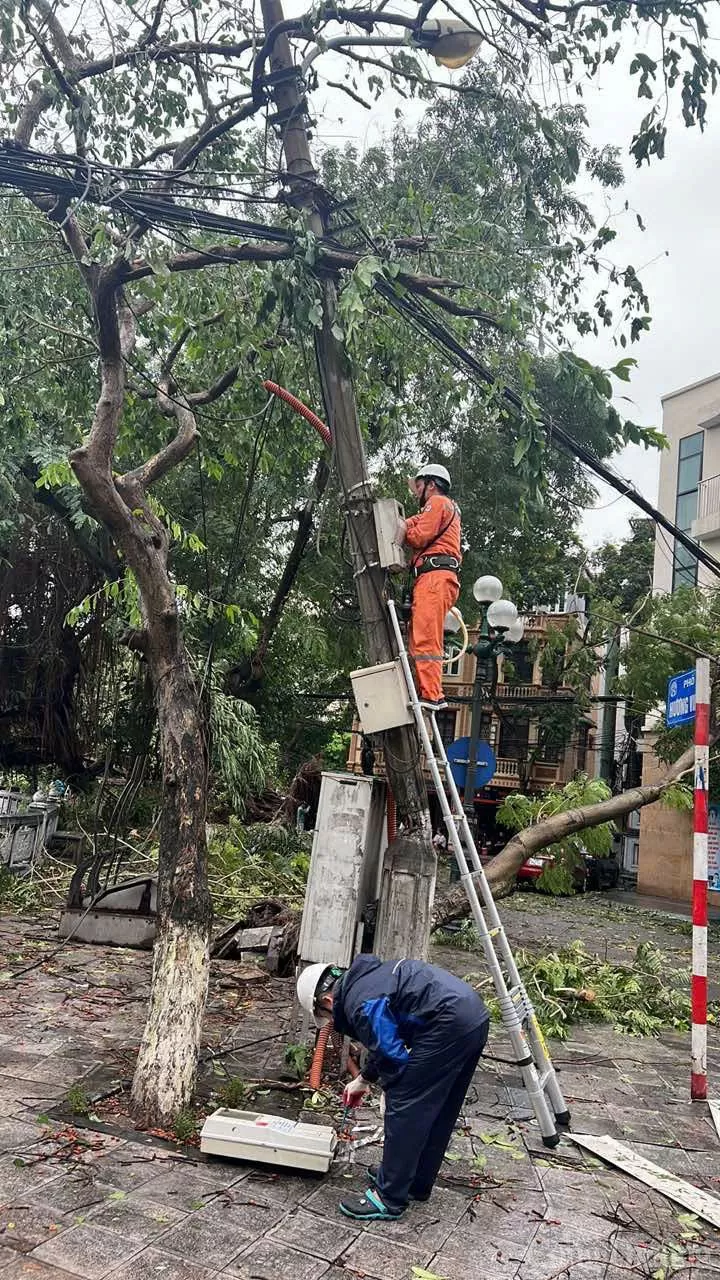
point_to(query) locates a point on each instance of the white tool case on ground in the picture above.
(249, 1135)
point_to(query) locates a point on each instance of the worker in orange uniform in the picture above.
(434, 540)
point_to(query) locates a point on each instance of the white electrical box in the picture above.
(381, 696)
(248, 1135)
(345, 867)
(388, 513)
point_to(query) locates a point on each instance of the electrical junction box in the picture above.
(388, 513)
(248, 1135)
(381, 696)
(345, 867)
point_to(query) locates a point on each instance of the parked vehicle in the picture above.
(591, 873)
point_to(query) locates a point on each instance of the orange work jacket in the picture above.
(435, 531)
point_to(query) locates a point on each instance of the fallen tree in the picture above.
(502, 871)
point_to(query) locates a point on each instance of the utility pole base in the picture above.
(406, 899)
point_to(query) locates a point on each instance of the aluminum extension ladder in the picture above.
(518, 1015)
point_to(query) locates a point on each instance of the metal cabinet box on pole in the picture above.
(381, 697)
(345, 867)
(388, 513)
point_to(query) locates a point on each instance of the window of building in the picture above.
(453, 668)
(688, 480)
(519, 666)
(446, 721)
(514, 735)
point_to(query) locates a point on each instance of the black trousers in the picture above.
(422, 1107)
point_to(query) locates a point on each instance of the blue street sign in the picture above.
(680, 707)
(485, 762)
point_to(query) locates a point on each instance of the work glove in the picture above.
(355, 1091)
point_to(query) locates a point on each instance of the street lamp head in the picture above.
(487, 588)
(451, 43)
(501, 615)
(515, 632)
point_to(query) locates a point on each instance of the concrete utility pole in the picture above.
(403, 927)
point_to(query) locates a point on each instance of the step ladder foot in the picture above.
(562, 1118)
(552, 1140)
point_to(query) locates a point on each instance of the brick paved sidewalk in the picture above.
(505, 1206)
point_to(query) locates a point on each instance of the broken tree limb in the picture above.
(501, 872)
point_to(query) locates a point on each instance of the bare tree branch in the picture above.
(218, 387)
(172, 403)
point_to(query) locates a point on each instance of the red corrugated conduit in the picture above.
(274, 390)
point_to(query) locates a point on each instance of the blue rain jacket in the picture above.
(392, 1006)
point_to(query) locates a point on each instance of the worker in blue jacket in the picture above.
(425, 1031)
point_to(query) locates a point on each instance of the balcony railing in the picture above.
(709, 497)
(506, 775)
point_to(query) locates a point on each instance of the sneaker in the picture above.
(368, 1208)
(372, 1174)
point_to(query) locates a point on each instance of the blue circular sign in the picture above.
(485, 762)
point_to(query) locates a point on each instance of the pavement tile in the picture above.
(585, 1260)
(6, 1256)
(17, 1133)
(60, 1072)
(24, 1226)
(74, 1192)
(503, 1216)
(383, 1259)
(23, 1178)
(18, 1096)
(180, 1188)
(213, 1236)
(269, 1260)
(323, 1237)
(286, 1192)
(138, 1220)
(86, 1251)
(485, 1265)
(32, 1269)
(154, 1264)
(131, 1167)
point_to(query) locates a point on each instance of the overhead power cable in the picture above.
(420, 316)
(34, 172)
(31, 172)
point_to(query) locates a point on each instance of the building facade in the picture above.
(689, 494)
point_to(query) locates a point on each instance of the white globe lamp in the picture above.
(501, 615)
(516, 631)
(487, 589)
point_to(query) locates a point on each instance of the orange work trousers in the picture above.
(433, 594)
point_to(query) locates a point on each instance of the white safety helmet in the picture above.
(434, 471)
(310, 986)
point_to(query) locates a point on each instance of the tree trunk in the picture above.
(164, 1077)
(502, 871)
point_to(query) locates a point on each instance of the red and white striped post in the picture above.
(698, 1068)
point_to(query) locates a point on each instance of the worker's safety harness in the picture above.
(432, 562)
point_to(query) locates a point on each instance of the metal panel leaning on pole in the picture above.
(698, 1068)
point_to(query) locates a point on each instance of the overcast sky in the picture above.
(676, 257)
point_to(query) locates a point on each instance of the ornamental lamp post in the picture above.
(500, 626)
